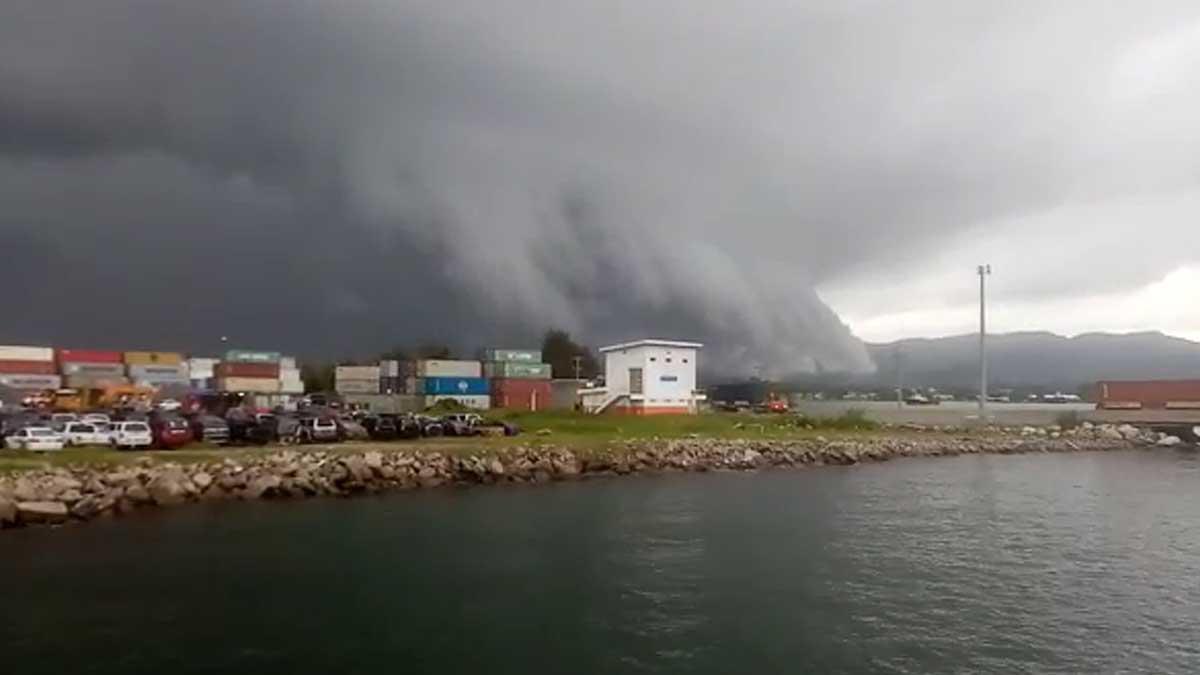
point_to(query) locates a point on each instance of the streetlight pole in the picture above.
(984, 271)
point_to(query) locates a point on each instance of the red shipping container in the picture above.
(28, 368)
(520, 394)
(238, 369)
(86, 356)
(1149, 393)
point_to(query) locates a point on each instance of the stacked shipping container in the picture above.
(520, 381)
(32, 368)
(356, 379)
(251, 372)
(202, 373)
(443, 379)
(289, 376)
(90, 368)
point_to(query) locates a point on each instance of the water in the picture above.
(1021, 564)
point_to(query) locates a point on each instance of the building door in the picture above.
(635, 381)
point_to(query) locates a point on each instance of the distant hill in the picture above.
(1027, 361)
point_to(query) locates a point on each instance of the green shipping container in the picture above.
(516, 355)
(516, 370)
(248, 356)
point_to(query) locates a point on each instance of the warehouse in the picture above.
(647, 377)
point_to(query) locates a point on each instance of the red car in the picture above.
(170, 432)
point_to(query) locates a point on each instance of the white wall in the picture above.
(676, 364)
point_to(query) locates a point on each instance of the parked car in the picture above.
(317, 430)
(58, 421)
(96, 418)
(381, 427)
(349, 429)
(409, 426)
(429, 426)
(209, 428)
(170, 431)
(85, 433)
(36, 439)
(169, 405)
(131, 435)
(248, 428)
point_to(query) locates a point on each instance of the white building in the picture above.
(647, 377)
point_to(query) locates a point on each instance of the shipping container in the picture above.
(108, 369)
(18, 381)
(89, 381)
(251, 356)
(443, 368)
(287, 362)
(22, 353)
(521, 394)
(517, 369)
(178, 371)
(203, 383)
(1149, 393)
(391, 385)
(564, 394)
(87, 356)
(481, 402)
(387, 404)
(389, 369)
(202, 365)
(456, 386)
(247, 369)
(27, 367)
(153, 358)
(256, 385)
(357, 373)
(356, 386)
(515, 355)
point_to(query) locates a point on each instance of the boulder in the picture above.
(262, 487)
(1168, 441)
(8, 512)
(496, 467)
(357, 468)
(374, 461)
(92, 506)
(1110, 433)
(202, 480)
(42, 512)
(169, 487)
(136, 494)
(1128, 432)
(25, 491)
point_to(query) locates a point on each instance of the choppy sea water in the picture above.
(1079, 563)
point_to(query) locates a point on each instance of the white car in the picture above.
(169, 405)
(84, 433)
(96, 418)
(131, 435)
(60, 420)
(35, 438)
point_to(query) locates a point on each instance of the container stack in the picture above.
(202, 373)
(392, 377)
(91, 369)
(520, 381)
(462, 381)
(356, 379)
(289, 376)
(249, 372)
(31, 368)
(157, 369)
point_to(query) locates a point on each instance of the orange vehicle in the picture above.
(79, 400)
(776, 403)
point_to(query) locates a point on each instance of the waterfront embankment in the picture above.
(82, 492)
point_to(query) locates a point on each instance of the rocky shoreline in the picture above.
(55, 496)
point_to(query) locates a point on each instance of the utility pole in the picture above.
(984, 271)
(578, 360)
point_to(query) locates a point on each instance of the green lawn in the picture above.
(579, 431)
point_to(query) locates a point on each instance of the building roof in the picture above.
(651, 343)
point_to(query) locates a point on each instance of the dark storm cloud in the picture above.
(335, 177)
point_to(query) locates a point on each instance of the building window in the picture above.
(668, 359)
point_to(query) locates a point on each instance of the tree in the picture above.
(560, 351)
(317, 376)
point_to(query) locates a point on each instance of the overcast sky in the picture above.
(778, 179)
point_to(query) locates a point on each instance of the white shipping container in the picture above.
(443, 368)
(483, 402)
(201, 368)
(357, 373)
(291, 387)
(17, 381)
(389, 368)
(257, 385)
(286, 373)
(22, 353)
(287, 362)
(357, 386)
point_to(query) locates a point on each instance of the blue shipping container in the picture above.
(456, 386)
